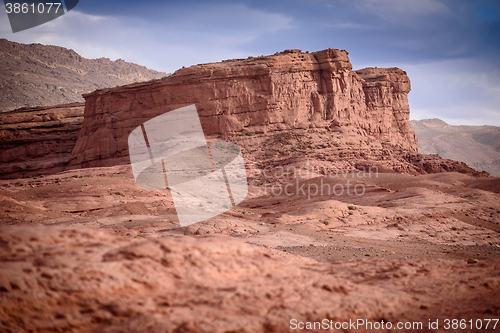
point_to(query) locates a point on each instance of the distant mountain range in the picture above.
(478, 146)
(43, 75)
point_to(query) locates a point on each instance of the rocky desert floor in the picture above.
(89, 251)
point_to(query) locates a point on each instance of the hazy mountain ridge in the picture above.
(478, 146)
(42, 75)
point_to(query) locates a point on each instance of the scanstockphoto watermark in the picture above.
(325, 186)
(358, 324)
(204, 178)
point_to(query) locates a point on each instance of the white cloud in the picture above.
(347, 26)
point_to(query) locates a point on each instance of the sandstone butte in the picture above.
(248, 101)
(284, 91)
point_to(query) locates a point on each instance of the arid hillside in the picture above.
(43, 75)
(478, 146)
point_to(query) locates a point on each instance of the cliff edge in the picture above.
(266, 94)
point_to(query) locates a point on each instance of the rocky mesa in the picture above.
(259, 95)
(283, 108)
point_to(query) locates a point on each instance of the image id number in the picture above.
(25, 8)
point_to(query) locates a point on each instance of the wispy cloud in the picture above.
(402, 10)
(348, 26)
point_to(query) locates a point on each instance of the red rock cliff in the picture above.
(255, 95)
(386, 95)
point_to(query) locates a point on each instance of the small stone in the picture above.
(472, 261)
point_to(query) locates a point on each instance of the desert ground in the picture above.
(88, 250)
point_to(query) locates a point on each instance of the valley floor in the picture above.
(87, 250)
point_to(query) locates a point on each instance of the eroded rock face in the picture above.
(288, 107)
(386, 95)
(40, 139)
(288, 90)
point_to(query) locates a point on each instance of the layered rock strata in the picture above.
(288, 90)
(35, 141)
(386, 96)
(280, 109)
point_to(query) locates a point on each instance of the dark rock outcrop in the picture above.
(38, 140)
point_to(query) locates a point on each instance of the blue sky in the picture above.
(449, 48)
